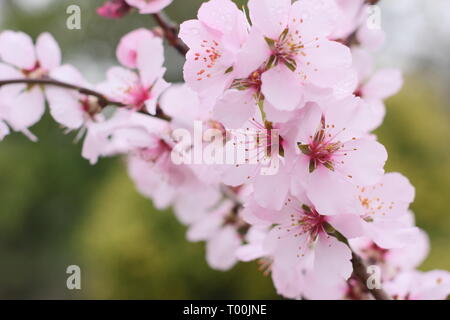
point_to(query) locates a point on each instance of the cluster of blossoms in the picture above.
(293, 83)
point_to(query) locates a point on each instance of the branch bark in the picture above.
(103, 101)
(359, 266)
(360, 270)
(170, 32)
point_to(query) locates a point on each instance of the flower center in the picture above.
(37, 72)
(137, 95)
(322, 148)
(252, 82)
(307, 220)
(285, 49)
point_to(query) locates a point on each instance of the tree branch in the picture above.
(103, 101)
(170, 32)
(360, 270)
(359, 266)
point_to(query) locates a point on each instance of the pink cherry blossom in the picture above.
(300, 51)
(332, 156)
(265, 152)
(68, 107)
(149, 6)
(139, 91)
(382, 213)
(222, 239)
(214, 41)
(126, 131)
(374, 88)
(127, 50)
(395, 260)
(114, 9)
(416, 285)
(300, 235)
(22, 106)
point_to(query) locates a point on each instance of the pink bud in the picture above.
(114, 9)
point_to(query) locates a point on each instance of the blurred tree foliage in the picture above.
(57, 210)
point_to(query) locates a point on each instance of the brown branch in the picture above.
(360, 271)
(359, 266)
(170, 32)
(103, 101)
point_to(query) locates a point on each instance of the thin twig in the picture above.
(360, 270)
(103, 101)
(170, 31)
(359, 266)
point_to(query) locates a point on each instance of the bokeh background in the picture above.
(57, 210)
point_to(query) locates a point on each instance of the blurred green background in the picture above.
(57, 210)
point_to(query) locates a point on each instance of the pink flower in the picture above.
(381, 214)
(214, 41)
(416, 285)
(127, 50)
(298, 50)
(299, 239)
(350, 16)
(22, 106)
(139, 91)
(114, 9)
(126, 132)
(373, 88)
(255, 151)
(331, 156)
(69, 107)
(396, 260)
(222, 237)
(149, 6)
